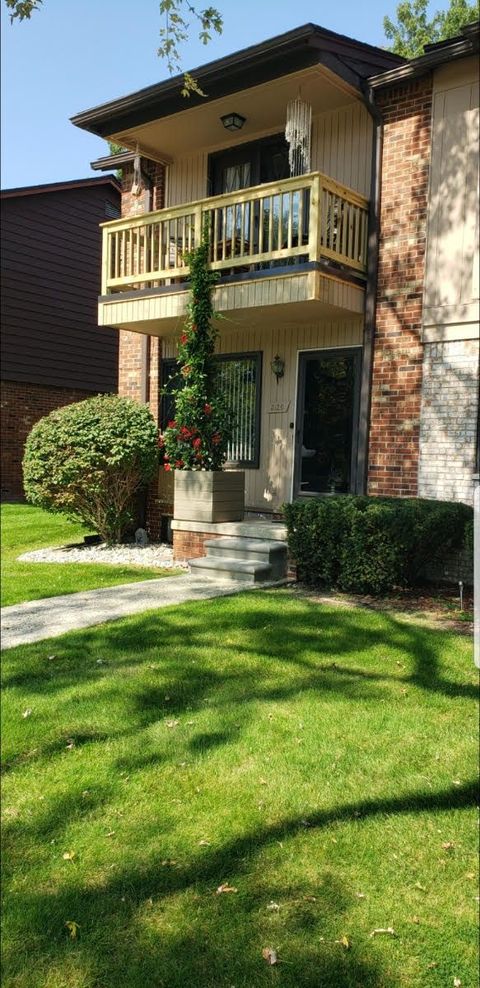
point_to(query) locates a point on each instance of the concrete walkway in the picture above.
(53, 616)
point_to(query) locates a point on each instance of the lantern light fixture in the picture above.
(233, 121)
(278, 367)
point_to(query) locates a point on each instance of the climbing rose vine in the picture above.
(197, 437)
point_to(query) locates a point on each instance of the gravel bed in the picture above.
(152, 556)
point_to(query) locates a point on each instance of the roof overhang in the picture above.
(465, 45)
(80, 183)
(302, 48)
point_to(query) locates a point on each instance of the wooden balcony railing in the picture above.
(304, 218)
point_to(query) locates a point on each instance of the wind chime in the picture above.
(298, 131)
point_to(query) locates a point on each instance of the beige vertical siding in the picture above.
(451, 286)
(187, 179)
(268, 487)
(341, 148)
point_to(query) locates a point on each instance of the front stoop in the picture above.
(243, 559)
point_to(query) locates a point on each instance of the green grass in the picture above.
(24, 529)
(319, 758)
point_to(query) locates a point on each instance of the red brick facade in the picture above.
(22, 405)
(135, 381)
(397, 368)
(190, 545)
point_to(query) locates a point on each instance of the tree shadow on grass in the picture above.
(216, 940)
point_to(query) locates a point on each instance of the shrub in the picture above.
(88, 460)
(372, 544)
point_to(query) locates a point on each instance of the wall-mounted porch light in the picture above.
(233, 121)
(278, 367)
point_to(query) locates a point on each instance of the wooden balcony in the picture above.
(278, 228)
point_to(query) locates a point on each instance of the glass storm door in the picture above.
(327, 416)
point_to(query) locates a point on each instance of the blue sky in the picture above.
(75, 54)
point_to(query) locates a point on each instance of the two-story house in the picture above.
(338, 183)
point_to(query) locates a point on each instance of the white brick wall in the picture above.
(448, 420)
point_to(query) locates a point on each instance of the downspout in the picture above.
(145, 354)
(145, 350)
(370, 291)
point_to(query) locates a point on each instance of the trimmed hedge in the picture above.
(372, 544)
(89, 460)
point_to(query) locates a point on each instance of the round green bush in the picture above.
(88, 460)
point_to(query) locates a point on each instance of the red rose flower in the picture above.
(198, 456)
(179, 464)
(207, 409)
(185, 432)
(183, 339)
(172, 424)
(197, 443)
(166, 466)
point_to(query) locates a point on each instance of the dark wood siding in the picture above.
(51, 261)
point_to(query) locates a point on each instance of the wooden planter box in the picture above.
(212, 496)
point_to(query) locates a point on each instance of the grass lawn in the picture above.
(25, 528)
(318, 762)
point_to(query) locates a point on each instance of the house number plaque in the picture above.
(279, 407)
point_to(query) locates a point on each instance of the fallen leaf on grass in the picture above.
(168, 863)
(70, 744)
(225, 888)
(360, 895)
(310, 898)
(432, 965)
(204, 843)
(383, 929)
(51, 658)
(72, 928)
(111, 833)
(27, 712)
(69, 855)
(344, 942)
(270, 955)
(457, 983)
(421, 887)
(448, 845)
(172, 723)
(273, 907)
(416, 919)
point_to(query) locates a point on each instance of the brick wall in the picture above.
(397, 368)
(190, 545)
(131, 345)
(448, 427)
(21, 406)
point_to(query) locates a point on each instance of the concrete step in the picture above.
(235, 570)
(253, 550)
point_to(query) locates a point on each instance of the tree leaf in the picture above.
(72, 928)
(226, 888)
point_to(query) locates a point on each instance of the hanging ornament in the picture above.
(137, 184)
(298, 130)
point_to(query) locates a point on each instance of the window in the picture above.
(239, 376)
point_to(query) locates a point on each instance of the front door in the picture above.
(327, 417)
